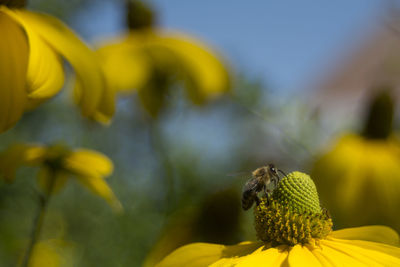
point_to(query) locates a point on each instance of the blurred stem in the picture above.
(43, 200)
(158, 146)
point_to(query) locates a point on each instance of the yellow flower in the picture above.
(295, 231)
(149, 60)
(348, 247)
(57, 163)
(31, 70)
(359, 177)
(360, 180)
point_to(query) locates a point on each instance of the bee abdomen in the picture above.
(248, 198)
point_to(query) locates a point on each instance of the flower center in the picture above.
(379, 119)
(140, 15)
(292, 215)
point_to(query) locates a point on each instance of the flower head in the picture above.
(359, 176)
(31, 68)
(150, 61)
(57, 164)
(295, 231)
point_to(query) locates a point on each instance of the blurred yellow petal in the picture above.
(34, 154)
(53, 253)
(82, 59)
(45, 177)
(13, 68)
(150, 62)
(45, 76)
(106, 108)
(125, 65)
(376, 233)
(45, 255)
(17, 155)
(301, 255)
(87, 162)
(45, 70)
(99, 187)
(204, 72)
(11, 159)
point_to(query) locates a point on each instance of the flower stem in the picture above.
(158, 146)
(39, 218)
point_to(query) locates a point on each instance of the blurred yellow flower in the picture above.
(149, 60)
(31, 70)
(57, 163)
(359, 177)
(295, 231)
(359, 180)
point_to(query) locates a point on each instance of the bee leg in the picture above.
(276, 181)
(284, 174)
(268, 199)
(258, 201)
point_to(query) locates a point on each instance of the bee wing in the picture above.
(252, 185)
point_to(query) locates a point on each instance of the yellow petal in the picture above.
(322, 258)
(265, 256)
(45, 177)
(204, 71)
(302, 256)
(195, 255)
(10, 159)
(53, 253)
(17, 155)
(34, 154)
(336, 258)
(99, 187)
(45, 72)
(384, 248)
(125, 65)
(204, 254)
(13, 69)
(368, 253)
(106, 108)
(85, 162)
(82, 59)
(45, 254)
(376, 233)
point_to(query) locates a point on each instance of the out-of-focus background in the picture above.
(302, 73)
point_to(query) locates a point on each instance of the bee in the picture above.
(261, 181)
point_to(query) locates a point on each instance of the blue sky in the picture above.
(284, 43)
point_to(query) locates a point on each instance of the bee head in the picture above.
(271, 169)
